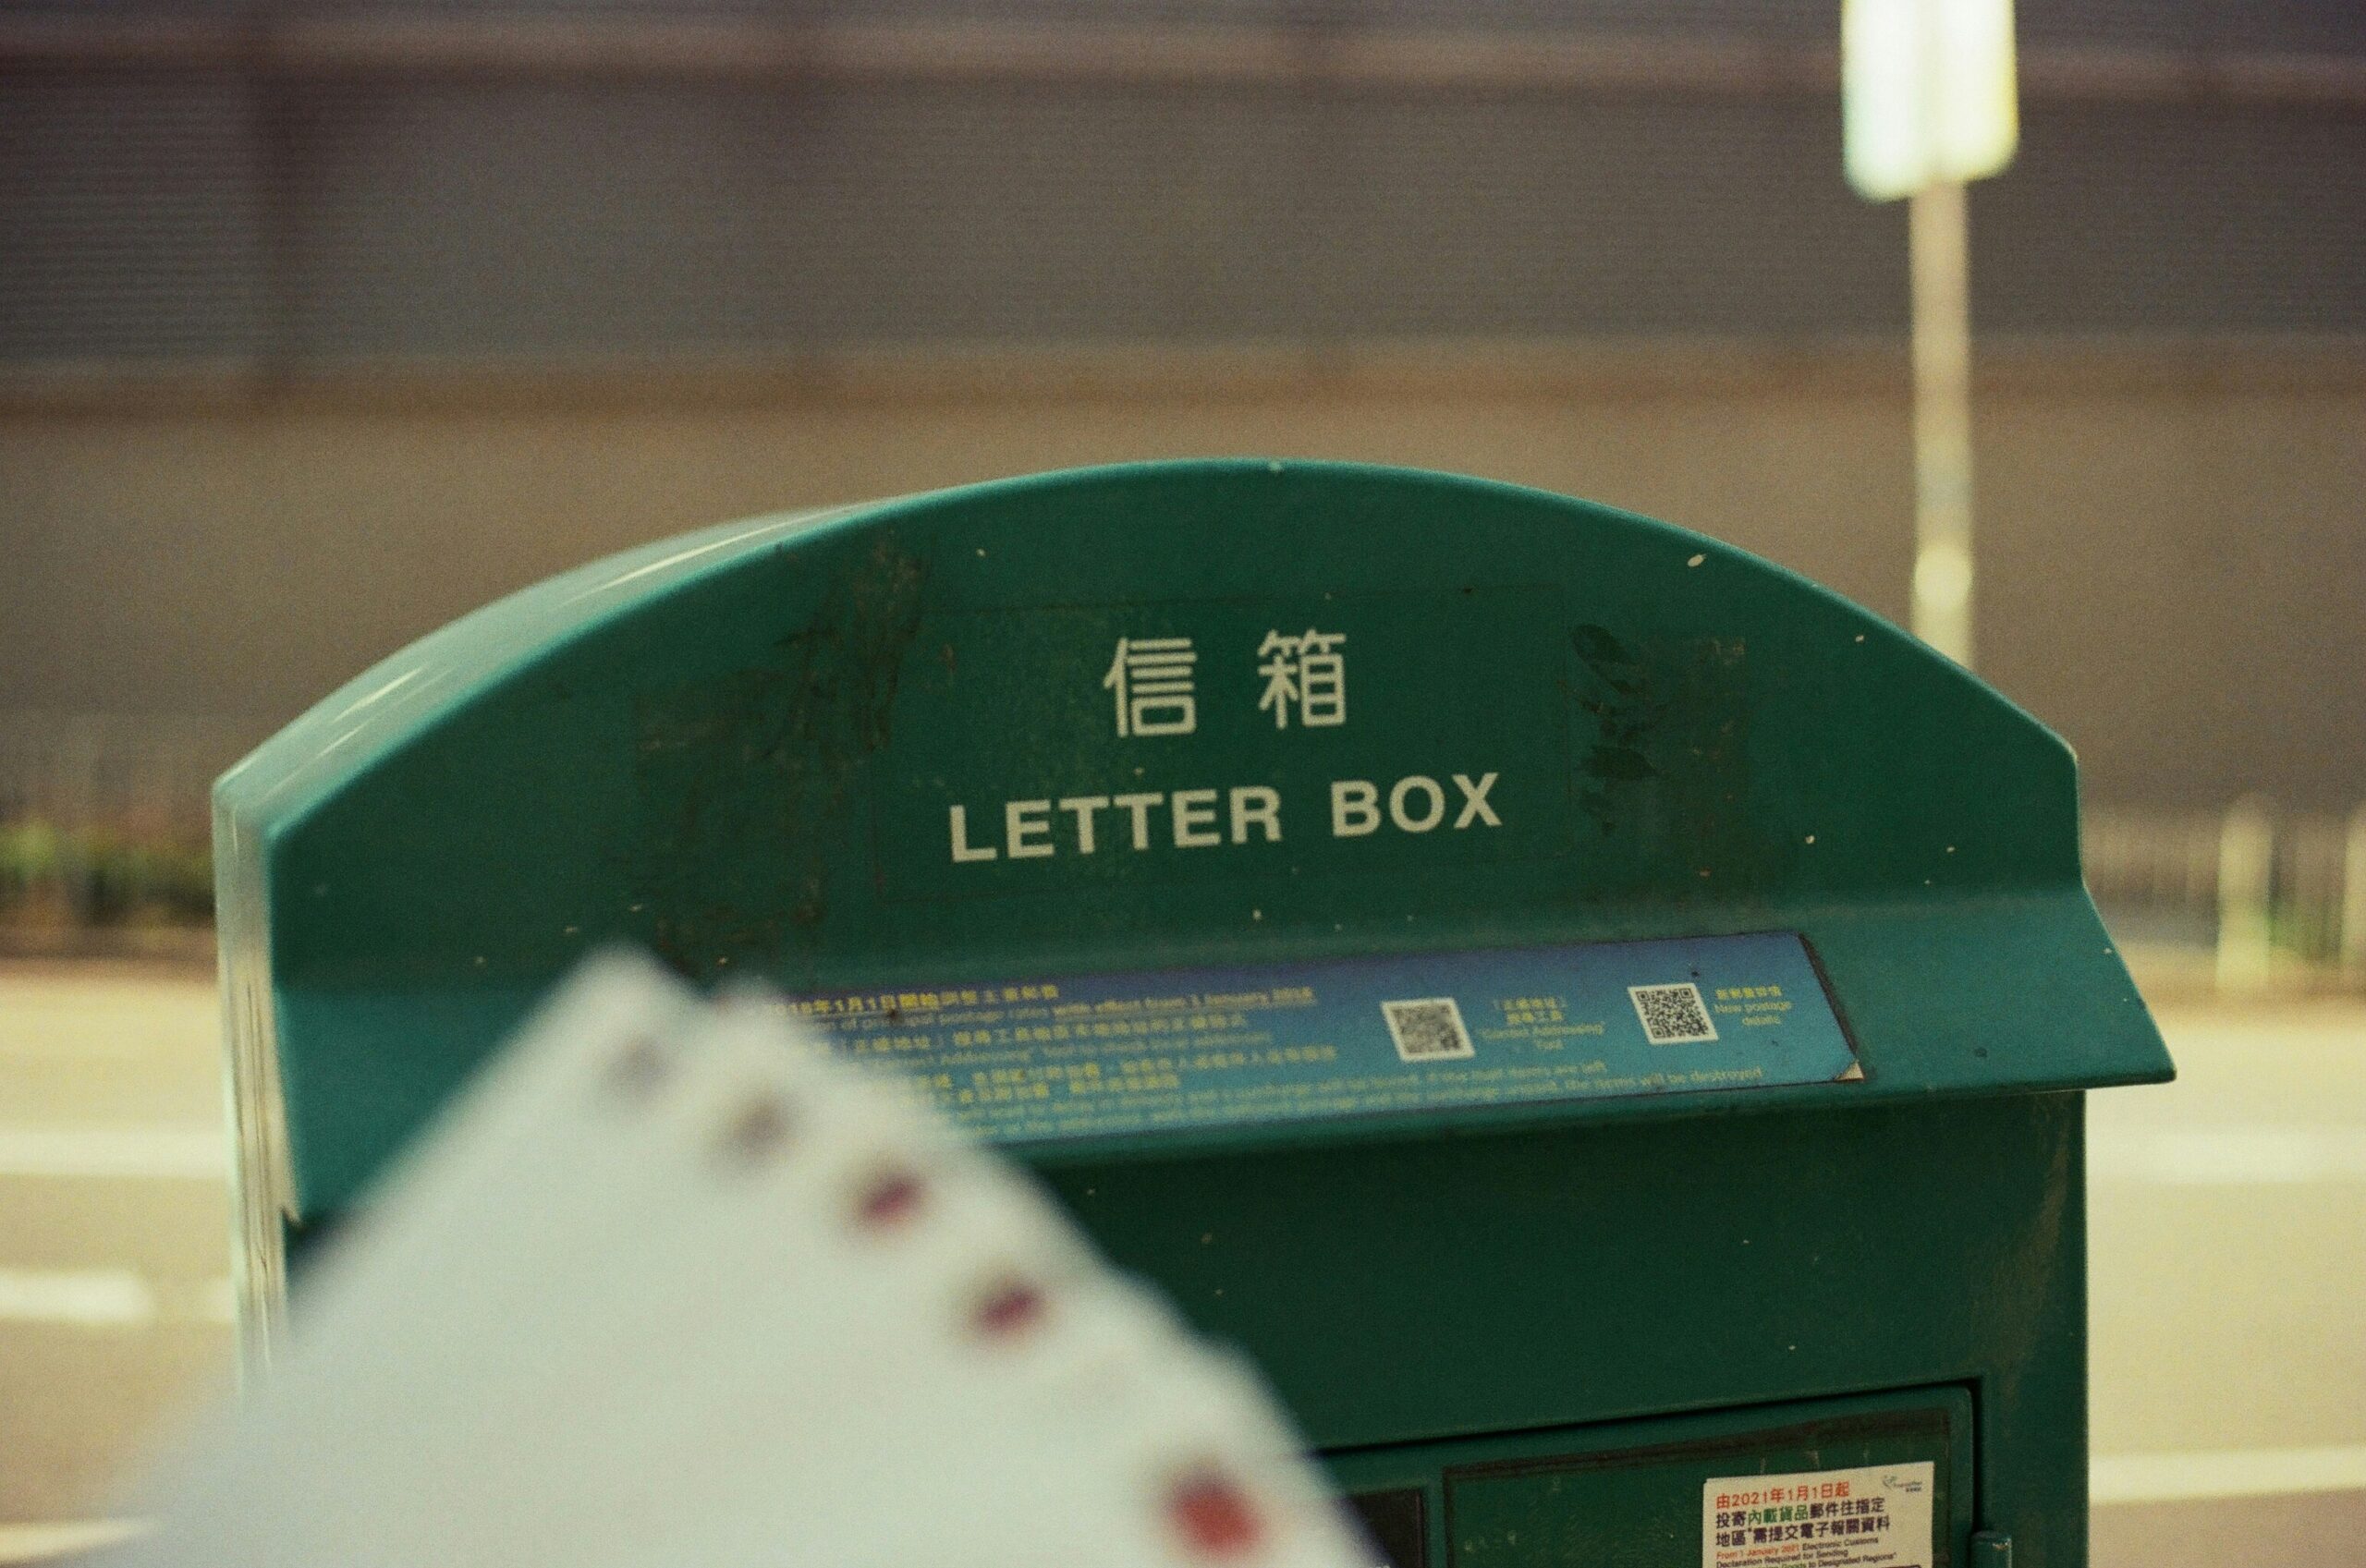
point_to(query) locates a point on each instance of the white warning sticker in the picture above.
(1876, 1518)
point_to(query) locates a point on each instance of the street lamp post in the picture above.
(1938, 250)
(1928, 103)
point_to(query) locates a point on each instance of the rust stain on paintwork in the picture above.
(750, 780)
(1663, 776)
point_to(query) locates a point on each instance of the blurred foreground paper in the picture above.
(671, 1284)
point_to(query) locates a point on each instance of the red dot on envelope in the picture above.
(889, 1200)
(1214, 1516)
(1011, 1310)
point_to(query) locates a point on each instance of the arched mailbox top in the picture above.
(1238, 714)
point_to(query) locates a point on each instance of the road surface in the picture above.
(2228, 1245)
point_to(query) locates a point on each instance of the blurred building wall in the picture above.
(2174, 560)
(320, 324)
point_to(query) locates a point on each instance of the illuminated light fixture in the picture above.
(1926, 93)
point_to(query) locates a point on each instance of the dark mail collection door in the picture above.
(1878, 1481)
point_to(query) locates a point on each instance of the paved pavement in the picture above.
(2226, 1248)
(114, 1226)
(2229, 1248)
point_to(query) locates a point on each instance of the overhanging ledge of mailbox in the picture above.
(1596, 1015)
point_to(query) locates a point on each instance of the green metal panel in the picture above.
(742, 749)
(1425, 1288)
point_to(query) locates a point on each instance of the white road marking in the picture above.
(110, 1298)
(2229, 1156)
(40, 1543)
(2242, 1472)
(155, 1152)
(82, 1298)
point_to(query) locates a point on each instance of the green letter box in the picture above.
(1599, 1019)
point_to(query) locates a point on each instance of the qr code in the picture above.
(1672, 1014)
(1428, 1030)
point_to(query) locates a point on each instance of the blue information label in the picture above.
(1093, 1055)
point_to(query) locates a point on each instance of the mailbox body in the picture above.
(840, 752)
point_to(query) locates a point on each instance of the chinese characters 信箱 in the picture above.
(1153, 682)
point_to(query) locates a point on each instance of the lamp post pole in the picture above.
(1927, 103)
(1939, 249)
